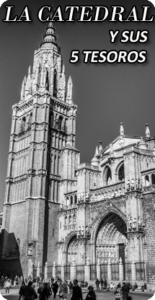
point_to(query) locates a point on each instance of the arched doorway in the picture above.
(72, 250)
(111, 240)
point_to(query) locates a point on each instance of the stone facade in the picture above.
(66, 213)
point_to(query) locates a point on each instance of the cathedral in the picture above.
(68, 218)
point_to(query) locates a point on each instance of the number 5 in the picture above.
(74, 58)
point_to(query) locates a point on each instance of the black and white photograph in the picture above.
(77, 150)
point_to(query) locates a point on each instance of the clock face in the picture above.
(121, 142)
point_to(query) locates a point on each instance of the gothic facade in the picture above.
(64, 212)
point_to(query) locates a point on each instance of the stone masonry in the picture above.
(61, 211)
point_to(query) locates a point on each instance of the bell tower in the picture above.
(43, 124)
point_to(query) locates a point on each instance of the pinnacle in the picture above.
(147, 131)
(50, 35)
(121, 129)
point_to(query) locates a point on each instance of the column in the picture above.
(98, 269)
(38, 269)
(46, 271)
(87, 269)
(133, 271)
(54, 271)
(121, 274)
(62, 271)
(73, 271)
(55, 191)
(109, 270)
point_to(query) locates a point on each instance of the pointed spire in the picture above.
(50, 36)
(96, 151)
(111, 148)
(100, 146)
(28, 85)
(63, 69)
(94, 161)
(28, 81)
(36, 77)
(121, 129)
(29, 71)
(22, 97)
(69, 90)
(147, 131)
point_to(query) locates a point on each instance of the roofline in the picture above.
(120, 136)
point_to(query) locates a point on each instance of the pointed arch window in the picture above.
(108, 175)
(29, 121)
(23, 124)
(74, 218)
(121, 175)
(153, 178)
(67, 201)
(60, 123)
(66, 220)
(55, 84)
(72, 250)
(47, 81)
(51, 119)
(147, 181)
(71, 200)
(65, 126)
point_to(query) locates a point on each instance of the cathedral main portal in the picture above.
(111, 240)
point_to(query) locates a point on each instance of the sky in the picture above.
(106, 94)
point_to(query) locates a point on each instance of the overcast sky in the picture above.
(106, 94)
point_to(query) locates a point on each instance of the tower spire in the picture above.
(96, 151)
(50, 36)
(121, 129)
(147, 131)
(100, 147)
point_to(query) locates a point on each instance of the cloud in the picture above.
(2, 1)
(153, 2)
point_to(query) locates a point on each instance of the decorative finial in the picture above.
(96, 151)
(29, 70)
(121, 129)
(63, 69)
(69, 89)
(147, 131)
(100, 146)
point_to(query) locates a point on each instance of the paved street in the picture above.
(100, 296)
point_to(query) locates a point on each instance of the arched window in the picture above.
(66, 220)
(74, 218)
(75, 199)
(121, 173)
(108, 176)
(70, 219)
(47, 81)
(29, 121)
(51, 119)
(23, 123)
(55, 84)
(71, 200)
(72, 250)
(67, 201)
(65, 126)
(153, 178)
(147, 181)
(60, 123)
